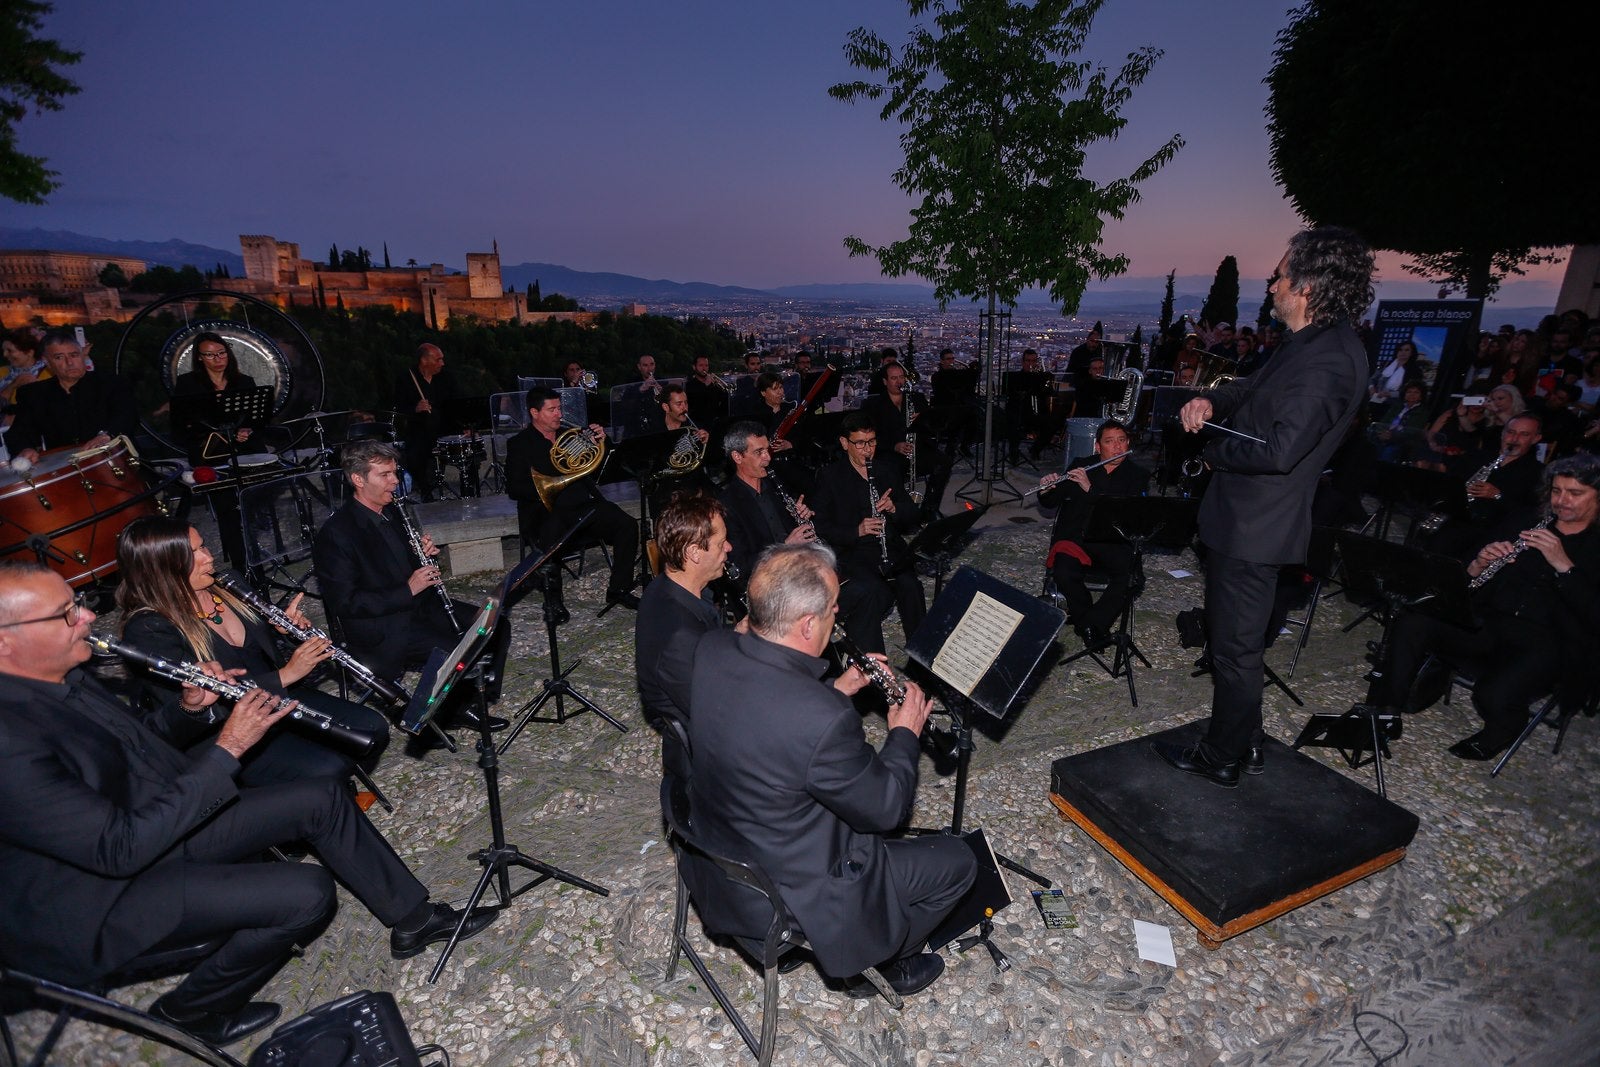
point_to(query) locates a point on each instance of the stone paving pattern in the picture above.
(1481, 943)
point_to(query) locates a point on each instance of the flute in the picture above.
(319, 723)
(877, 672)
(280, 618)
(414, 539)
(1091, 467)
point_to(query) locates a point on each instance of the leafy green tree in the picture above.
(998, 114)
(1429, 162)
(1222, 302)
(1166, 305)
(29, 77)
(112, 277)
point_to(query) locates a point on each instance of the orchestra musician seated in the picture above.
(1505, 489)
(534, 451)
(174, 608)
(857, 513)
(1028, 395)
(113, 842)
(74, 406)
(1537, 607)
(783, 775)
(1070, 555)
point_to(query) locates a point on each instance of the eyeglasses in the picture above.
(865, 443)
(69, 615)
(214, 354)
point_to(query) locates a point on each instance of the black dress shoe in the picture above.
(795, 960)
(1477, 747)
(1195, 761)
(1092, 636)
(1256, 761)
(405, 944)
(219, 1027)
(623, 599)
(907, 975)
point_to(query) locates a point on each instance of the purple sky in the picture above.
(692, 141)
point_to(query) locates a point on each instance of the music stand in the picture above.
(1397, 486)
(487, 658)
(1404, 578)
(641, 460)
(941, 541)
(981, 642)
(557, 685)
(1139, 521)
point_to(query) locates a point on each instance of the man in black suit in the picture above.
(389, 605)
(1256, 516)
(422, 393)
(532, 450)
(113, 842)
(783, 775)
(1028, 396)
(75, 407)
(1070, 555)
(1509, 491)
(759, 512)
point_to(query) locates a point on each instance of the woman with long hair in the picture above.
(173, 608)
(1505, 403)
(1401, 370)
(1519, 366)
(216, 371)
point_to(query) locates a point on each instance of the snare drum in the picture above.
(460, 451)
(78, 501)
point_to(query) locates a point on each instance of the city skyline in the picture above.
(694, 142)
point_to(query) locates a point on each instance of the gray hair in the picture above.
(13, 572)
(359, 456)
(788, 583)
(737, 437)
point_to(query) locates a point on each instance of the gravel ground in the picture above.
(567, 976)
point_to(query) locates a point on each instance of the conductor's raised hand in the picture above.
(251, 718)
(1195, 414)
(912, 712)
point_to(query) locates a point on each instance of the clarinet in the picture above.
(877, 672)
(1518, 547)
(794, 512)
(318, 723)
(883, 531)
(279, 618)
(911, 439)
(414, 539)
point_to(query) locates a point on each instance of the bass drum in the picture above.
(71, 505)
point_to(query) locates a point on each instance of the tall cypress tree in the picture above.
(1166, 306)
(1222, 303)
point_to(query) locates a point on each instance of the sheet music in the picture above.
(976, 642)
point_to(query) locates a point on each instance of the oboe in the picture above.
(1518, 547)
(278, 617)
(357, 742)
(876, 671)
(414, 539)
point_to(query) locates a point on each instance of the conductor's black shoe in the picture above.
(404, 944)
(1477, 747)
(1092, 636)
(624, 599)
(1195, 761)
(906, 975)
(469, 717)
(219, 1027)
(1256, 761)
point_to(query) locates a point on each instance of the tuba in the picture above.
(576, 454)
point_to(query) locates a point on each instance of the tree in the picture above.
(386, 255)
(333, 257)
(1268, 310)
(1166, 306)
(1222, 302)
(29, 77)
(998, 115)
(112, 277)
(534, 299)
(1416, 162)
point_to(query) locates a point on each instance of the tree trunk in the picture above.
(991, 380)
(1479, 267)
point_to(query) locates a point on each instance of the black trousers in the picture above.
(291, 751)
(1239, 600)
(903, 587)
(932, 873)
(406, 645)
(417, 459)
(267, 908)
(1515, 663)
(609, 523)
(862, 607)
(1117, 561)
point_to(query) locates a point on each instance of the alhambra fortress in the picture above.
(64, 289)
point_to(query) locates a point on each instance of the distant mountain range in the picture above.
(1125, 296)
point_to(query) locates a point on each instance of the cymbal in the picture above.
(314, 416)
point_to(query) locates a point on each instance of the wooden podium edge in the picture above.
(1209, 934)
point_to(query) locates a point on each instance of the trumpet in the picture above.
(414, 539)
(357, 742)
(877, 672)
(278, 617)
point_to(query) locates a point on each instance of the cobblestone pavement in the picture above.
(1481, 943)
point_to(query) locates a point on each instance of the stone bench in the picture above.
(470, 532)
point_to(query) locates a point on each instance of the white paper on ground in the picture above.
(1154, 942)
(1181, 574)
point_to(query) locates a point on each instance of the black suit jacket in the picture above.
(49, 416)
(748, 529)
(783, 775)
(841, 501)
(1258, 506)
(363, 570)
(90, 802)
(1129, 479)
(671, 624)
(527, 452)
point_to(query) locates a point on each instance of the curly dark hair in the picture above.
(1582, 467)
(1336, 264)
